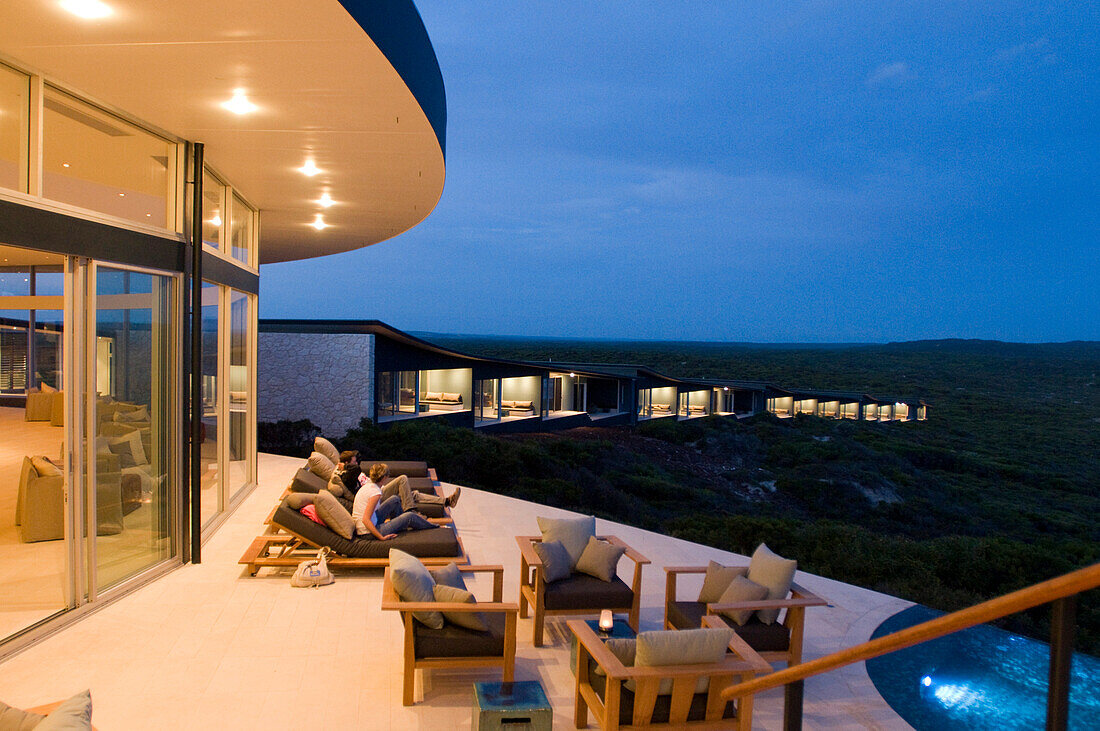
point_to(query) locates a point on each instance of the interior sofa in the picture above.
(661, 409)
(442, 400)
(517, 408)
(40, 503)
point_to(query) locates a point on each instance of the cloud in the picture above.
(1037, 47)
(893, 74)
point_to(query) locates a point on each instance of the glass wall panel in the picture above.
(213, 210)
(387, 395)
(240, 386)
(241, 232)
(95, 160)
(134, 446)
(486, 401)
(210, 475)
(14, 128)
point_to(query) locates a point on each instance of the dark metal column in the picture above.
(1063, 624)
(195, 437)
(792, 706)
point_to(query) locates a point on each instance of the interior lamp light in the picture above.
(319, 223)
(607, 621)
(87, 9)
(326, 201)
(239, 103)
(309, 169)
(216, 220)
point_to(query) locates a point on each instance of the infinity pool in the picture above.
(980, 678)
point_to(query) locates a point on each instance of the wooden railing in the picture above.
(1061, 591)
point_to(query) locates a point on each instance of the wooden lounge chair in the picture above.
(452, 646)
(615, 706)
(579, 594)
(777, 642)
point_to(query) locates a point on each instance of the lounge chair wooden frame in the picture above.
(743, 664)
(794, 619)
(507, 662)
(532, 587)
(288, 549)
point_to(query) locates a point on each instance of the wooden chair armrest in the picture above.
(527, 550)
(630, 552)
(400, 606)
(685, 569)
(595, 647)
(802, 593)
(482, 568)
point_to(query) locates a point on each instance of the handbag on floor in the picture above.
(313, 572)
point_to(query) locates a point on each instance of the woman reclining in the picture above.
(384, 519)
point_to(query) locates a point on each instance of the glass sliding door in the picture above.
(134, 446)
(240, 392)
(211, 500)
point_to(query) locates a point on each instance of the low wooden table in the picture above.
(512, 706)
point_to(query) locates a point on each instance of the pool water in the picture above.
(980, 678)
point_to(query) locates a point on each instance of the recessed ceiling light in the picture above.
(310, 168)
(326, 201)
(319, 223)
(87, 9)
(121, 195)
(216, 220)
(64, 164)
(239, 104)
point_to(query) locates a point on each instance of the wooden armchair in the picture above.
(778, 642)
(616, 706)
(454, 646)
(580, 593)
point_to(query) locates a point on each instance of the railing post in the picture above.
(1063, 622)
(792, 706)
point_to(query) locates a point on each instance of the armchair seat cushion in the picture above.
(761, 637)
(454, 641)
(661, 709)
(581, 591)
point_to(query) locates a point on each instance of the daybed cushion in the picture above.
(555, 560)
(306, 481)
(761, 637)
(327, 448)
(408, 468)
(742, 590)
(413, 583)
(335, 515)
(320, 465)
(433, 542)
(599, 559)
(774, 572)
(581, 591)
(718, 579)
(572, 532)
(469, 620)
(454, 641)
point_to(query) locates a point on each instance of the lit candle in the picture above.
(607, 620)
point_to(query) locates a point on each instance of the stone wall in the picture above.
(326, 378)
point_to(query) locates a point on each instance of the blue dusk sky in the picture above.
(748, 171)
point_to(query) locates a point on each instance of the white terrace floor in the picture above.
(209, 647)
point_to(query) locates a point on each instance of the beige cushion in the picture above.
(131, 415)
(47, 388)
(44, 467)
(555, 561)
(333, 514)
(325, 447)
(448, 575)
(434, 396)
(508, 404)
(573, 533)
(74, 713)
(336, 485)
(523, 404)
(456, 397)
(469, 620)
(742, 590)
(129, 450)
(681, 647)
(599, 559)
(413, 583)
(773, 572)
(14, 719)
(717, 580)
(320, 465)
(623, 648)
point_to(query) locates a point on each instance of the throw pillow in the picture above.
(44, 467)
(335, 484)
(320, 465)
(325, 447)
(717, 580)
(573, 533)
(623, 648)
(742, 590)
(16, 719)
(413, 583)
(555, 561)
(298, 500)
(129, 450)
(334, 515)
(310, 511)
(774, 572)
(681, 647)
(469, 620)
(75, 713)
(599, 559)
(47, 388)
(138, 414)
(449, 575)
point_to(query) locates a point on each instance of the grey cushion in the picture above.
(599, 559)
(741, 590)
(306, 481)
(761, 637)
(298, 500)
(717, 580)
(682, 647)
(584, 592)
(75, 713)
(470, 620)
(623, 648)
(320, 465)
(14, 719)
(572, 532)
(334, 515)
(407, 468)
(413, 583)
(325, 447)
(435, 542)
(448, 575)
(774, 572)
(555, 561)
(129, 450)
(453, 641)
(335, 484)
(44, 467)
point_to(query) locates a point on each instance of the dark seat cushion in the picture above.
(454, 641)
(306, 481)
(661, 709)
(407, 468)
(761, 637)
(434, 542)
(581, 591)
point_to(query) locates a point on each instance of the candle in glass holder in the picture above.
(607, 620)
